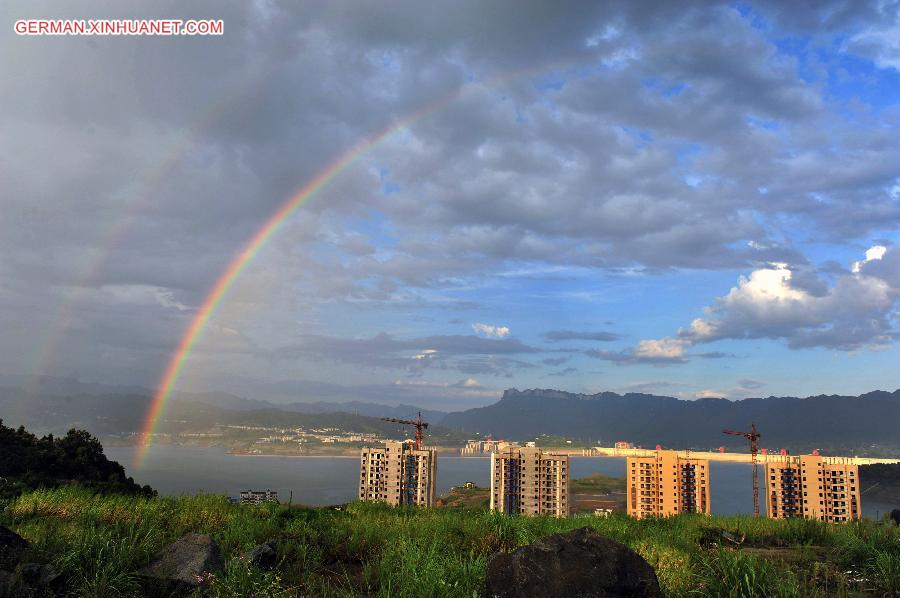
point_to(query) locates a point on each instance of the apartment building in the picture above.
(258, 497)
(667, 483)
(529, 481)
(812, 486)
(398, 474)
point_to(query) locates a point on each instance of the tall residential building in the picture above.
(667, 483)
(812, 486)
(398, 474)
(529, 481)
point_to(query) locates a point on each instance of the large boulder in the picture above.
(37, 575)
(8, 586)
(12, 546)
(579, 563)
(185, 565)
(32, 579)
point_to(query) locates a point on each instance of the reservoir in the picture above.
(319, 481)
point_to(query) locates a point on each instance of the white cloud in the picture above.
(666, 348)
(854, 312)
(882, 44)
(710, 393)
(143, 294)
(876, 252)
(490, 331)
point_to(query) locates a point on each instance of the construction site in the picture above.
(529, 480)
(399, 473)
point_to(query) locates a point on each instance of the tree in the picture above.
(28, 462)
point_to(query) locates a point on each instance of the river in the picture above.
(319, 481)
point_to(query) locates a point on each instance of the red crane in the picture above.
(418, 423)
(753, 437)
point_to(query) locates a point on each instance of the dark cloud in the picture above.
(751, 384)
(453, 396)
(554, 360)
(467, 354)
(584, 335)
(615, 136)
(563, 373)
(632, 357)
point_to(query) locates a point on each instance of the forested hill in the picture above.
(28, 462)
(867, 424)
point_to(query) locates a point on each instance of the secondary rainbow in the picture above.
(146, 186)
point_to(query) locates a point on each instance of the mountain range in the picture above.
(863, 424)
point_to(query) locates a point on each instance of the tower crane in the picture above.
(418, 423)
(753, 437)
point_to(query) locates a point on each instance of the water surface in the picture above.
(319, 481)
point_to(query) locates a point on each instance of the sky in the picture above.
(683, 198)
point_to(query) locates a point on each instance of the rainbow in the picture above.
(270, 227)
(240, 262)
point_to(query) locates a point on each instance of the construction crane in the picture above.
(753, 437)
(418, 423)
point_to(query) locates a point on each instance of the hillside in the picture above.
(861, 425)
(98, 546)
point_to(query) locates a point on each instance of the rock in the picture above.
(185, 565)
(578, 563)
(12, 546)
(8, 586)
(40, 576)
(263, 556)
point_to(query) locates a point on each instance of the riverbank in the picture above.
(321, 480)
(98, 544)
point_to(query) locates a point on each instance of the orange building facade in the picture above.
(812, 486)
(665, 484)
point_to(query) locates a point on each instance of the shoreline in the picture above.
(342, 456)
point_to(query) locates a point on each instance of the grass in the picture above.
(467, 498)
(597, 483)
(99, 543)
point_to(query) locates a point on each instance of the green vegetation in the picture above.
(99, 542)
(597, 483)
(28, 462)
(466, 498)
(554, 441)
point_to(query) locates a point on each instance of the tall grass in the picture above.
(733, 574)
(99, 544)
